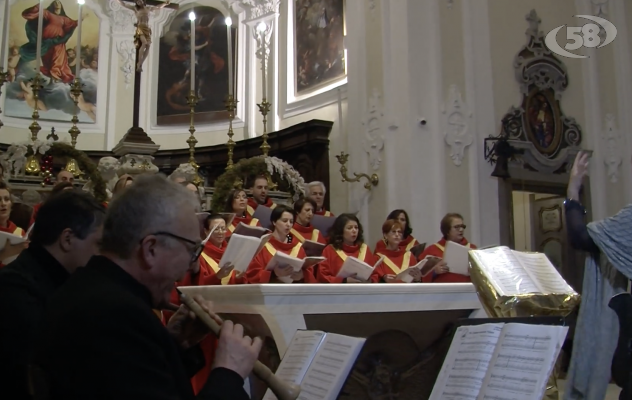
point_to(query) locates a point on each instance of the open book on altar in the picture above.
(361, 270)
(242, 249)
(319, 362)
(514, 272)
(500, 361)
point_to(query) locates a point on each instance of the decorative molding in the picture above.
(612, 156)
(122, 19)
(450, 4)
(127, 54)
(254, 8)
(374, 137)
(372, 7)
(457, 125)
(600, 7)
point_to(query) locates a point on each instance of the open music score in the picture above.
(499, 362)
(513, 272)
(320, 362)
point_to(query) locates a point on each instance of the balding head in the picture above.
(151, 231)
(65, 176)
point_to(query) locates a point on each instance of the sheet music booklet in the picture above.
(313, 249)
(353, 266)
(425, 266)
(456, 257)
(501, 361)
(319, 362)
(242, 249)
(514, 272)
(6, 237)
(282, 259)
(247, 230)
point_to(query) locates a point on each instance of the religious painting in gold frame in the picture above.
(58, 61)
(543, 123)
(319, 53)
(211, 68)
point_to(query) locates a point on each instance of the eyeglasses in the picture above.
(195, 252)
(459, 227)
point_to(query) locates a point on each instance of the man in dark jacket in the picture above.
(66, 235)
(101, 339)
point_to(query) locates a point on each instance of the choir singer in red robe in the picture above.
(408, 241)
(452, 228)
(396, 258)
(282, 219)
(259, 192)
(345, 240)
(9, 250)
(303, 229)
(237, 202)
(317, 190)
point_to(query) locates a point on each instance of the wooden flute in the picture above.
(282, 390)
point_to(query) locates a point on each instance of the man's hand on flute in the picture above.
(236, 351)
(186, 328)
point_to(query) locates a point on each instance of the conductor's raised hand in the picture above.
(578, 172)
(186, 328)
(235, 351)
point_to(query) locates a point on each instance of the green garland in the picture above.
(87, 166)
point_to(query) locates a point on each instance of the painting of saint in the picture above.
(318, 43)
(211, 67)
(542, 124)
(58, 61)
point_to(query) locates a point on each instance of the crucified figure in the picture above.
(142, 37)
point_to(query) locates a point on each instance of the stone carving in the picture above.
(17, 159)
(31, 197)
(374, 139)
(134, 164)
(185, 170)
(612, 153)
(457, 125)
(127, 53)
(254, 8)
(122, 20)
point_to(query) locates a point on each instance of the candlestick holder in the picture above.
(3, 78)
(264, 109)
(231, 105)
(192, 141)
(75, 90)
(32, 164)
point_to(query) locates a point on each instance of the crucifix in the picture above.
(142, 41)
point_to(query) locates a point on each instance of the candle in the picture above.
(78, 51)
(192, 18)
(5, 35)
(262, 31)
(40, 24)
(229, 32)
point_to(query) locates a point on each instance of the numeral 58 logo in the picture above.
(581, 36)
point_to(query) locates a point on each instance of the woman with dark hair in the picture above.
(237, 203)
(9, 250)
(345, 240)
(408, 241)
(303, 230)
(282, 218)
(395, 258)
(453, 229)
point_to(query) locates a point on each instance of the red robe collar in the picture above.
(281, 246)
(11, 227)
(213, 251)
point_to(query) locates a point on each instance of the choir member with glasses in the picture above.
(237, 202)
(282, 219)
(317, 190)
(408, 241)
(453, 229)
(303, 229)
(100, 328)
(345, 239)
(9, 250)
(396, 257)
(259, 197)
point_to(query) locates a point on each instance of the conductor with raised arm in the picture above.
(100, 338)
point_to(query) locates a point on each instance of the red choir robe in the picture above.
(257, 272)
(36, 208)
(209, 266)
(405, 244)
(324, 213)
(11, 228)
(252, 205)
(394, 262)
(437, 250)
(303, 233)
(328, 269)
(247, 220)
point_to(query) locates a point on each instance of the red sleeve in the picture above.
(308, 273)
(328, 269)
(206, 276)
(321, 238)
(256, 272)
(372, 259)
(378, 273)
(431, 250)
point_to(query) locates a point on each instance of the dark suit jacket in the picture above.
(26, 285)
(101, 340)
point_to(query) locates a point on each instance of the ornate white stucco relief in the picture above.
(373, 136)
(612, 156)
(457, 125)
